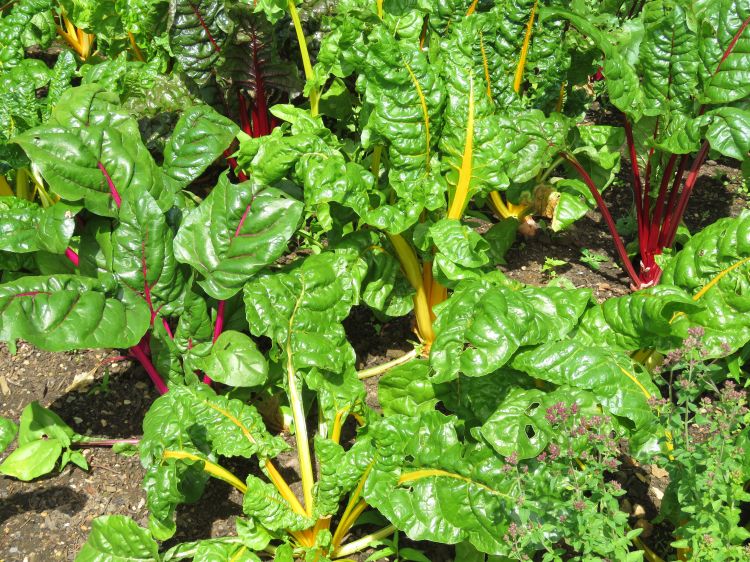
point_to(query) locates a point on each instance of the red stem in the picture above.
(72, 256)
(637, 186)
(244, 120)
(199, 16)
(685, 195)
(218, 327)
(622, 252)
(144, 360)
(657, 217)
(669, 210)
(107, 442)
(261, 126)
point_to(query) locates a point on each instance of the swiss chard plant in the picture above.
(676, 74)
(441, 123)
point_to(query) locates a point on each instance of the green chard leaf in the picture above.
(64, 312)
(234, 233)
(117, 538)
(713, 268)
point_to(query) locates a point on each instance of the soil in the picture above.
(49, 519)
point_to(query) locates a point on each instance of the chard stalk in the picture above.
(524, 50)
(411, 268)
(380, 369)
(306, 64)
(619, 245)
(300, 424)
(22, 184)
(215, 470)
(5, 189)
(363, 543)
(136, 50)
(460, 197)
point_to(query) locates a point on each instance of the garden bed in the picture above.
(50, 518)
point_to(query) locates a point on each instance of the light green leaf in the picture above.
(117, 538)
(32, 460)
(235, 360)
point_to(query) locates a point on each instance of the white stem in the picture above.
(363, 543)
(379, 369)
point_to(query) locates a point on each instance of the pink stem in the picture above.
(218, 327)
(72, 256)
(108, 442)
(144, 360)
(112, 189)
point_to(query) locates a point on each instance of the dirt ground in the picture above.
(49, 519)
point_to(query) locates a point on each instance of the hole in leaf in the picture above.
(531, 410)
(530, 433)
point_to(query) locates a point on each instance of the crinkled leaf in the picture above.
(713, 268)
(117, 538)
(407, 390)
(614, 380)
(264, 504)
(26, 227)
(302, 310)
(637, 321)
(434, 487)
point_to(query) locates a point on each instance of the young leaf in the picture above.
(32, 460)
(235, 360)
(8, 432)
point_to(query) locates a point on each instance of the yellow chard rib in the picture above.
(461, 195)
(425, 114)
(524, 50)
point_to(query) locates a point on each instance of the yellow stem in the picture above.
(467, 163)
(5, 189)
(472, 8)
(363, 543)
(375, 164)
(283, 488)
(379, 4)
(524, 51)
(211, 468)
(22, 184)
(306, 64)
(341, 530)
(410, 265)
(380, 369)
(136, 50)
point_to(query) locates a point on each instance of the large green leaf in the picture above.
(637, 321)
(264, 504)
(234, 233)
(63, 312)
(481, 326)
(142, 253)
(713, 267)
(90, 153)
(117, 538)
(200, 137)
(434, 487)
(719, 23)
(197, 34)
(616, 382)
(301, 311)
(519, 425)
